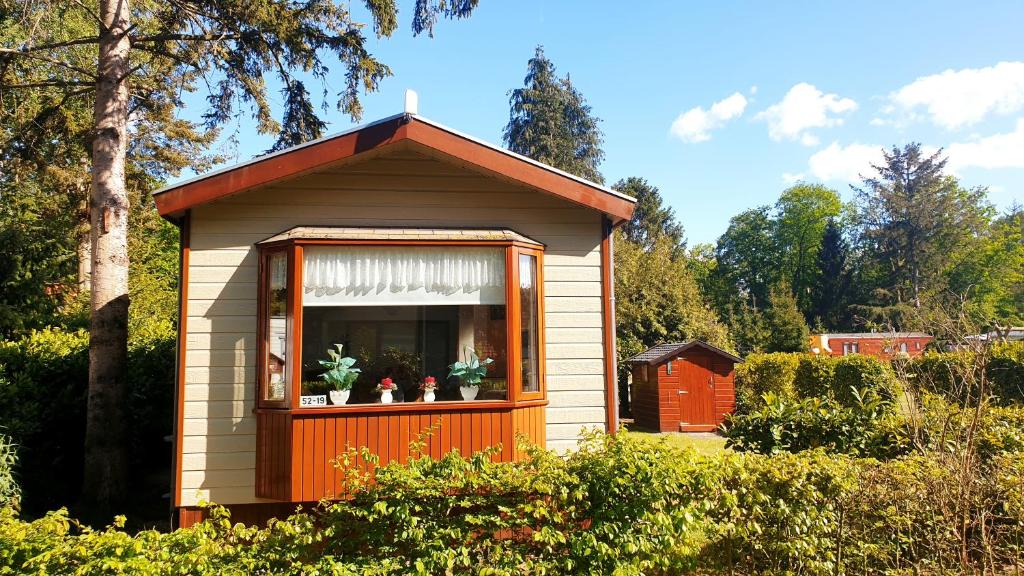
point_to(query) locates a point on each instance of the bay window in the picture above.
(405, 311)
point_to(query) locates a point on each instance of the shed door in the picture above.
(697, 387)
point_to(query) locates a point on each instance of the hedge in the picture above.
(762, 373)
(617, 506)
(43, 387)
(956, 375)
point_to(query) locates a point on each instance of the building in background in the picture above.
(885, 345)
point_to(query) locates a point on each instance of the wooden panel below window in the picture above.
(295, 449)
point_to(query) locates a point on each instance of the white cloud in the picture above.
(996, 151)
(958, 98)
(845, 163)
(696, 124)
(792, 178)
(802, 108)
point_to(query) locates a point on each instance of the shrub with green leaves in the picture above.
(10, 491)
(868, 427)
(618, 505)
(760, 374)
(43, 386)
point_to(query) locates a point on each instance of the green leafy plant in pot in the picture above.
(340, 375)
(470, 373)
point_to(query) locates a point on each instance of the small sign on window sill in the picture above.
(311, 401)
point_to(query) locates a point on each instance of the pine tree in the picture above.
(829, 295)
(787, 330)
(913, 218)
(652, 219)
(551, 122)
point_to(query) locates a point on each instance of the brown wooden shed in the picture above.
(683, 387)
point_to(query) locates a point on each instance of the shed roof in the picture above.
(661, 352)
(385, 134)
(399, 234)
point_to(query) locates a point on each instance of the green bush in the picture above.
(619, 505)
(814, 376)
(1005, 370)
(43, 387)
(10, 492)
(868, 427)
(760, 374)
(856, 373)
(957, 375)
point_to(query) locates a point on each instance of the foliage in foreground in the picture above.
(619, 505)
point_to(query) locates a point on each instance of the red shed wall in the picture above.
(644, 398)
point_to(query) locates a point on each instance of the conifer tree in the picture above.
(787, 330)
(551, 122)
(652, 219)
(833, 278)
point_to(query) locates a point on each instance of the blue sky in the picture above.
(723, 104)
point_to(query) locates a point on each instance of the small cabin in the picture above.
(682, 387)
(884, 345)
(412, 246)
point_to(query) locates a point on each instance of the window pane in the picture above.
(529, 324)
(277, 327)
(406, 344)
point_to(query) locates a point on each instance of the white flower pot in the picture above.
(428, 395)
(469, 392)
(386, 398)
(339, 397)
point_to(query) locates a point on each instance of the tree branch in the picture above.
(43, 47)
(185, 37)
(61, 63)
(62, 84)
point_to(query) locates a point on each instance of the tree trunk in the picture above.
(104, 484)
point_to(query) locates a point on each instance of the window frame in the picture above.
(294, 249)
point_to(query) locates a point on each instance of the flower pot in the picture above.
(428, 396)
(469, 392)
(386, 398)
(339, 397)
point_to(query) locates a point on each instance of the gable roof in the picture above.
(661, 352)
(434, 138)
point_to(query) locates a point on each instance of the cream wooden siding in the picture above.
(219, 427)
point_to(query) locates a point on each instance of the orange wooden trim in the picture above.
(541, 360)
(356, 242)
(307, 159)
(512, 168)
(608, 308)
(293, 163)
(179, 417)
(262, 316)
(452, 406)
(295, 264)
(513, 345)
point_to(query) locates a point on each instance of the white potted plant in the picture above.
(429, 386)
(386, 387)
(470, 373)
(340, 375)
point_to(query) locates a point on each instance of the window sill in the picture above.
(457, 406)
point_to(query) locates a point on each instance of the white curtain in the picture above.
(375, 276)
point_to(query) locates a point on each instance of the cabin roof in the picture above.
(661, 352)
(429, 136)
(399, 234)
(876, 335)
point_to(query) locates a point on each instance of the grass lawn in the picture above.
(707, 444)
